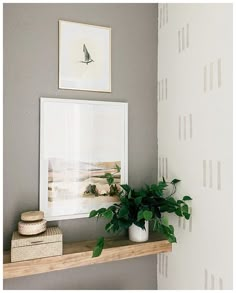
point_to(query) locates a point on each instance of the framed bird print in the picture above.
(84, 57)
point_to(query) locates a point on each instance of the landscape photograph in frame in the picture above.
(80, 142)
(84, 57)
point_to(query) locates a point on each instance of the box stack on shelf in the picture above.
(33, 239)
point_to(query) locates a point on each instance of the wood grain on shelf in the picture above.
(79, 254)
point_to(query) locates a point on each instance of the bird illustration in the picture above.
(87, 57)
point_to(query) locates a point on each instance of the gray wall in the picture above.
(30, 71)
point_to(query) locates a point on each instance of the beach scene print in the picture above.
(71, 179)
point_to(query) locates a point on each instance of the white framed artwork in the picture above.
(80, 141)
(84, 57)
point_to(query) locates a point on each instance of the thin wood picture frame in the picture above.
(84, 57)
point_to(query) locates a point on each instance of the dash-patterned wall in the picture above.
(195, 100)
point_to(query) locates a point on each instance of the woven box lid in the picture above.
(52, 234)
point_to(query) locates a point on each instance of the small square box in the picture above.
(48, 243)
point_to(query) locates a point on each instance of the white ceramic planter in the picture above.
(137, 234)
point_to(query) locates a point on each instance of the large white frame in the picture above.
(46, 104)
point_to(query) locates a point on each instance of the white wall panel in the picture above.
(195, 140)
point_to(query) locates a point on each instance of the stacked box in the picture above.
(46, 244)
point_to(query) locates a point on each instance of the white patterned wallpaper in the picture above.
(195, 140)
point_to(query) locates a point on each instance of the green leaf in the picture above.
(174, 181)
(142, 193)
(147, 215)
(162, 184)
(101, 210)
(171, 238)
(178, 212)
(154, 187)
(112, 208)
(165, 221)
(124, 200)
(126, 187)
(156, 225)
(124, 224)
(109, 177)
(186, 197)
(140, 215)
(171, 229)
(99, 247)
(179, 201)
(185, 209)
(158, 211)
(170, 209)
(118, 168)
(130, 194)
(171, 200)
(160, 228)
(160, 188)
(109, 226)
(166, 229)
(93, 213)
(186, 215)
(140, 224)
(116, 226)
(138, 200)
(123, 211)
(116, 205)
(108, 214)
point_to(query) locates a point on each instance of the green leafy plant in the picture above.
(150, 203)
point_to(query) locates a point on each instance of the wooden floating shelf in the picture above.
(79, 254)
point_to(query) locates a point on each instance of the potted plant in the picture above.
(139, 207)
